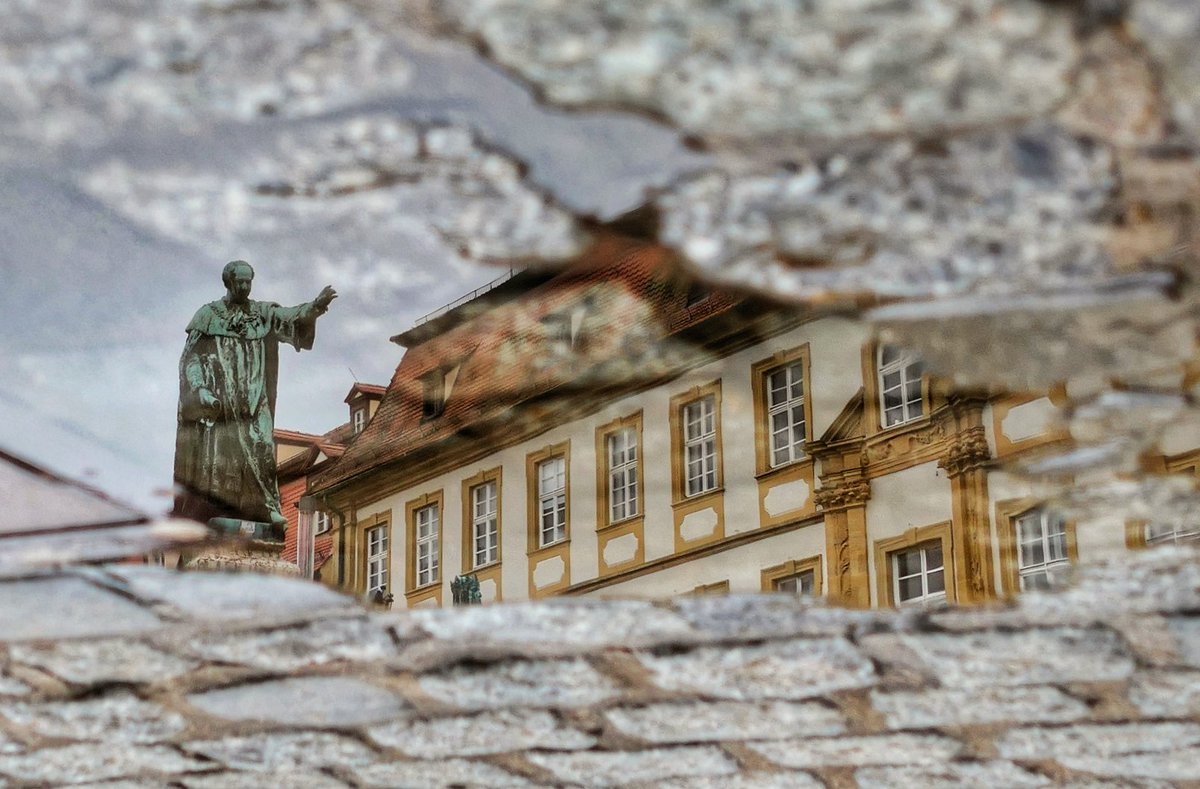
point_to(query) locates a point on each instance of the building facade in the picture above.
(618, 429)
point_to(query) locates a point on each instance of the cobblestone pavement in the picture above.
(139, 677)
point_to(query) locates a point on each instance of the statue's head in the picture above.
(237, 276)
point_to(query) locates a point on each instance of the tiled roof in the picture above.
(370, 390)
(220, 680)
(624, 298)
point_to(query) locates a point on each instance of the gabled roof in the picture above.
(633, 297)
(370, 391)
(332, 445)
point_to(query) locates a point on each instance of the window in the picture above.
(802, 584)
(1042, 550)
(359, 420)
(1162, 533)
(428, 524)
(700, 446)
(485, 525)
(919, 574)
(552, 501)
(377, 559)
(321, 523)
(900, 385)
(800, 577)
(697, 293)
(785, 412)
(433, 394)
(621, 448)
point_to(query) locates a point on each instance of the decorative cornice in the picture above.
(843, 495)
(968, 450)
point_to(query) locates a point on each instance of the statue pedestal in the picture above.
(254, 547)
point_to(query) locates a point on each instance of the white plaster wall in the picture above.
(741, 566)
(836, 373)
(915, 497)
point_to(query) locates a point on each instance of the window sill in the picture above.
(551, 548)
(699, 497)
(779, 470)
(481, 568)
(626, 522)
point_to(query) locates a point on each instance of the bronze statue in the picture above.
(224, 441)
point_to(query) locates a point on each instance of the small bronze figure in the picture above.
(224, 442)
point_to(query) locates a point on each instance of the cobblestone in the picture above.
(117, 717)
(97, 762)
(617, 768)
(64, 607)
(711, 702)
(272, 752)
(103, 661)
(478, 735)
(211, 597)
(949, 776)
(303, 702)
(719, 721)
(960, 707)
(1167, 694)
(1027, 657)
(777, 670)
(556, 683)
(897, 749)
(435, 775)
(288, 649)
(562, 628)
(1168, 751)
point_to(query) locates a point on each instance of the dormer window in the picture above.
(562, 329)
(697, 293)
(358, 418)
(435, 390)
(433, 394)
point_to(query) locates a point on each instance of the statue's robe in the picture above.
(225, 458)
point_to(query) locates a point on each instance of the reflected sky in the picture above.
(98, 290)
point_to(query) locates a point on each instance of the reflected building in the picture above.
(617, 428)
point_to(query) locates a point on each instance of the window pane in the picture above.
(933, 557)
(936, 581)
(908, 563)
(910, 588)
(786, 585)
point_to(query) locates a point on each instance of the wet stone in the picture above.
(292, 779)
(499, 732)
(97, 762)
(275, 752)
(102, 661)
(559, 628)
(720, 721)
(292, 648)
(1167, 751)
(1166, 694)
(827, 69)
(303, 702)
(949, 776)
(991, 213)
(618, 768)
(957, 707)
(747, 617)
(216, 597)
(1029, 657)
(780, 780)
(12, 687)
(435, 775)
(551, 683)
(794, 669)
(1187, 635)
(118, 717)
(54, 608)
(888, 749)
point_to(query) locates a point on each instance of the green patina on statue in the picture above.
(224, 442)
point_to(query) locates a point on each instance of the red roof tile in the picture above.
(625, 296)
